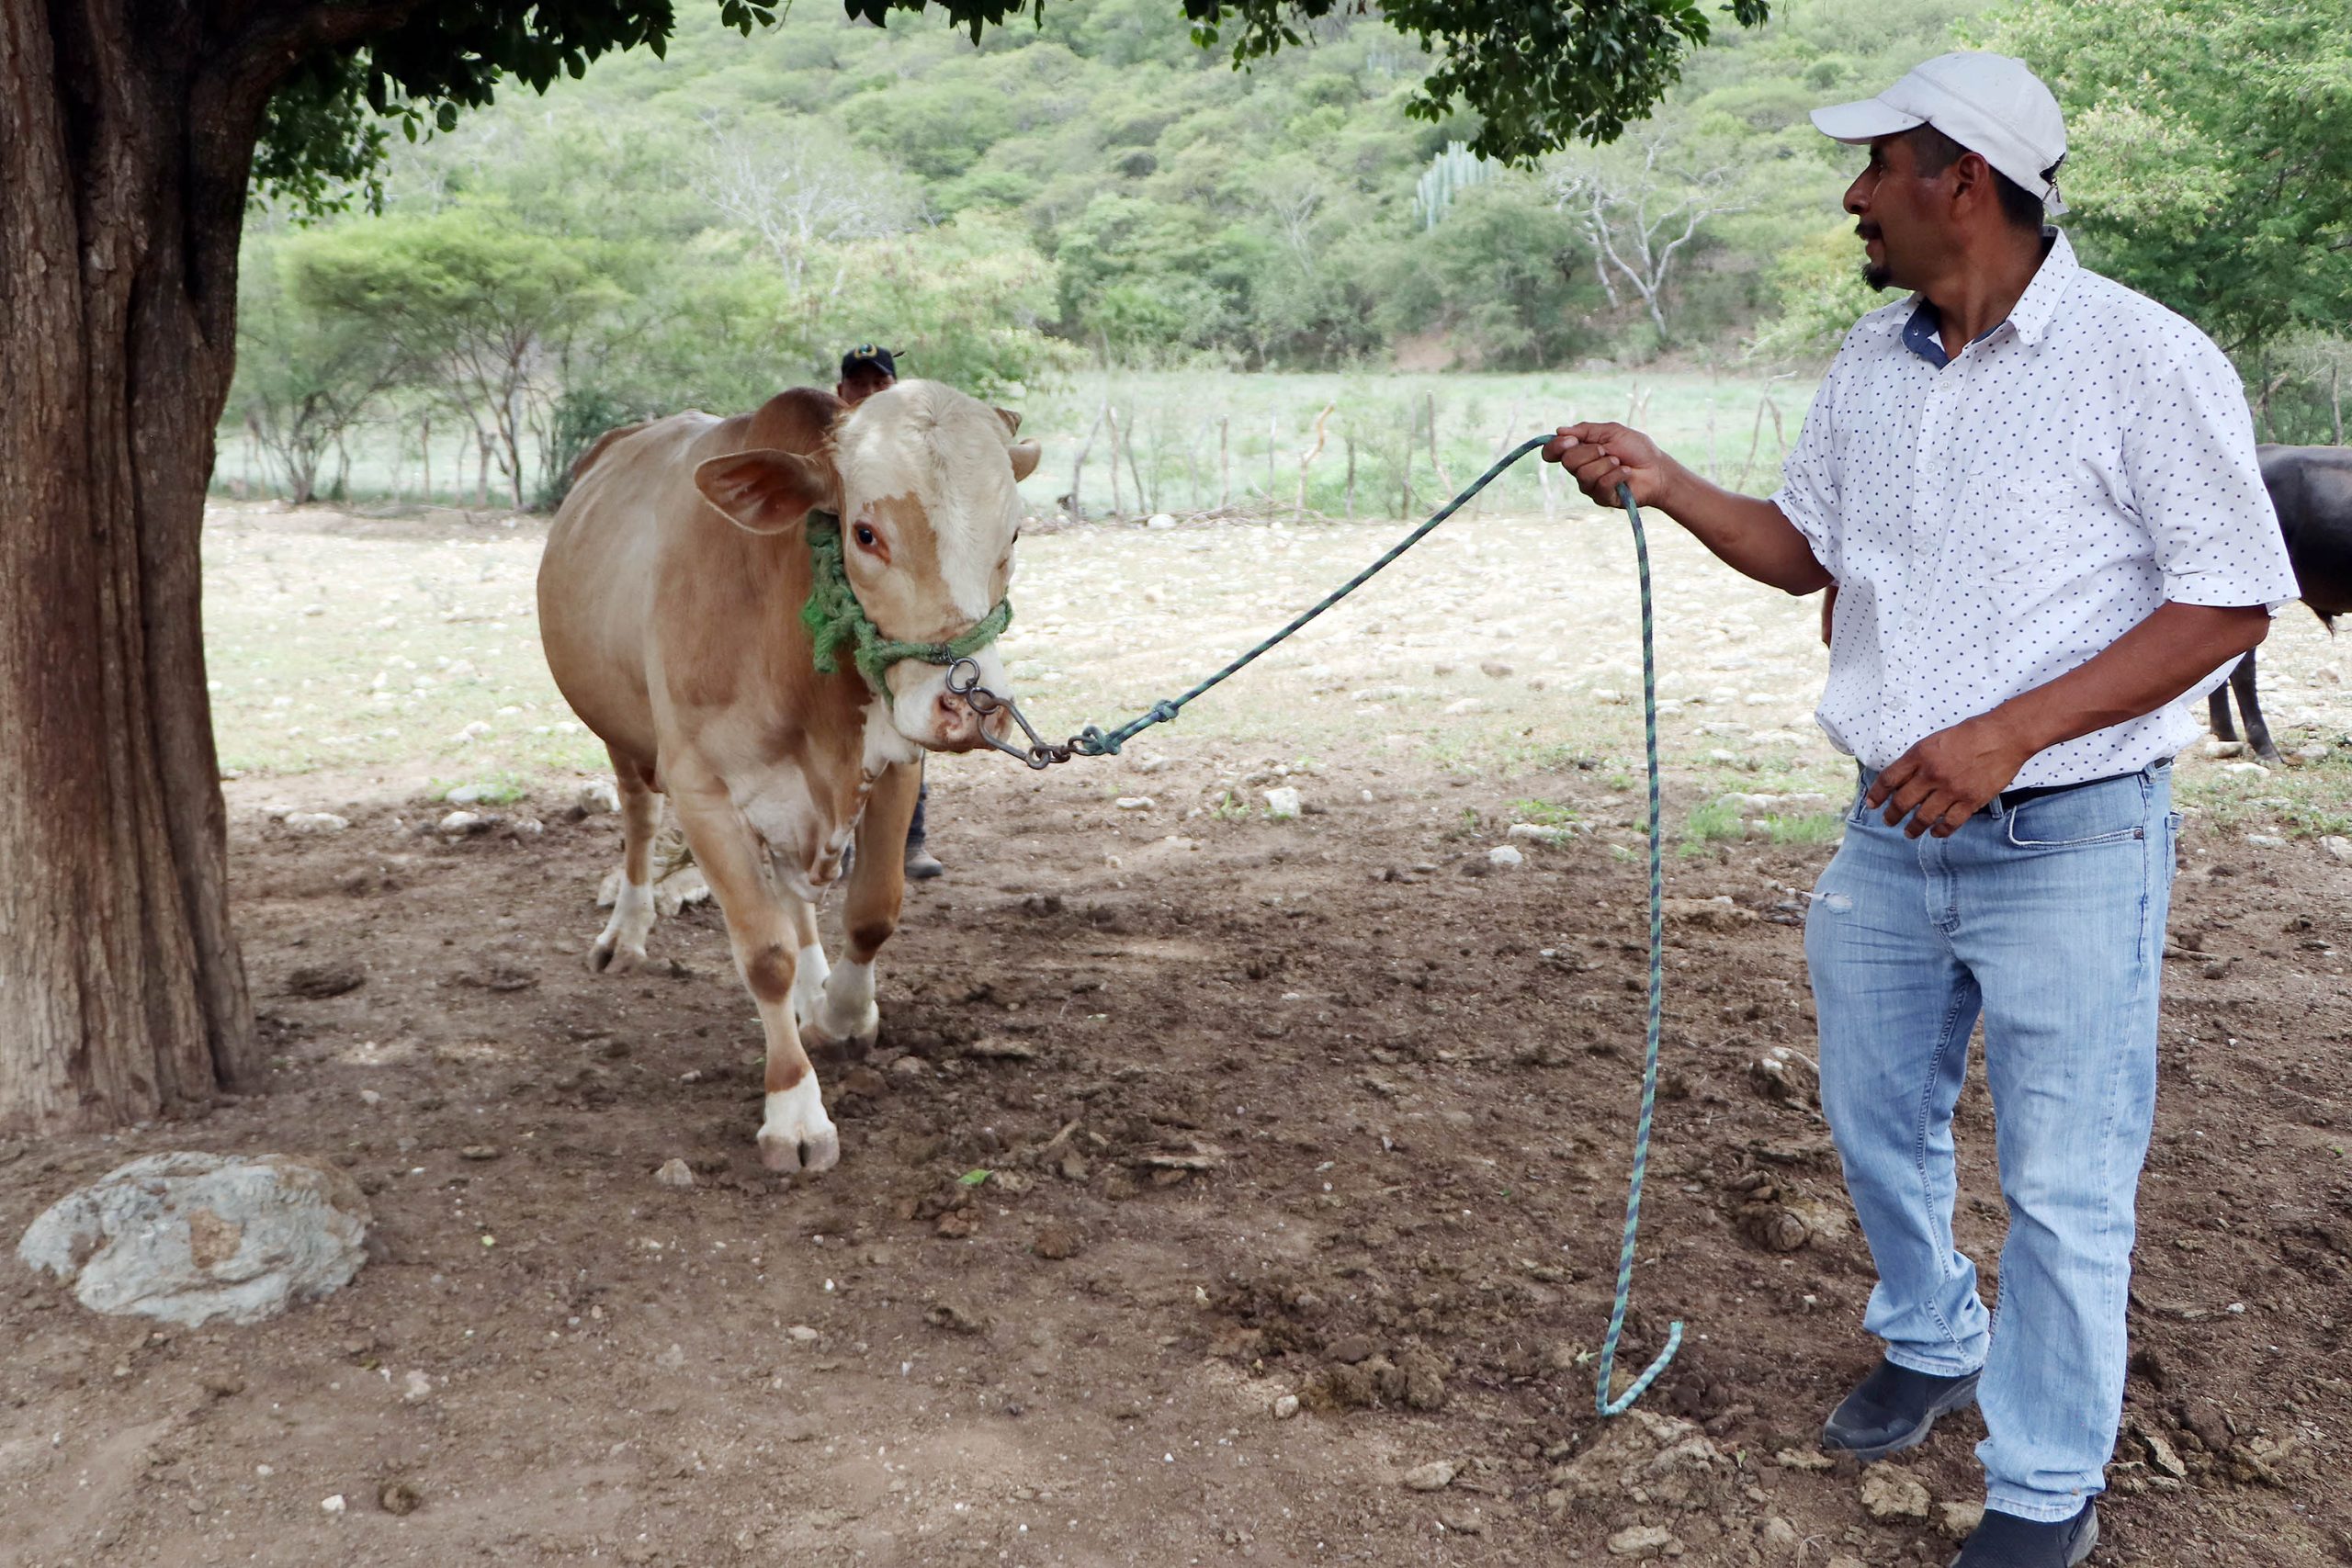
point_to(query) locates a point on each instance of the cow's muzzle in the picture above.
(991, 710)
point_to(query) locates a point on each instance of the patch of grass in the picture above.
(1715, 822)
(1820, 827)
(1544, 813)
(498, 786)
(1230, 808)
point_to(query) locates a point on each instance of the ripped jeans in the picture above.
(2048, 919)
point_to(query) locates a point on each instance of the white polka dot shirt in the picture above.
(1997, 521)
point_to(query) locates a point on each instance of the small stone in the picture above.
(801, 1334)
(598, 796)
(674, 1173)
(1643, 1541)
(318, 982)
(399, 1497)
(1286, 1407)
(2224, 747)
(1464, 707)
(460, 822)
(671, 1359)
(1134, 803)
(315, 822)
(2266, 841)
(1803, 1459)
(2246, 770)
(1608, 694)
(2338, 848)
(1464, 1523)
(1055, 1241)
(1435, 1476)
(1159, 522)
(1889, 1493)
(1786, 1075)
(910, 1067)
(479, 1152)
(333, 1505)
(1540, 833)
(415, 1388)
(1778, 1537)
(1959, 1520)
(1283, 804)
(471, 795)
(1494, 669)
(1505, 854)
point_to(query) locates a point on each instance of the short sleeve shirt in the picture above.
(1998, 520)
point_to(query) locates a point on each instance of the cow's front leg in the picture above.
(878, 883)
(795, 1131)
(621, 946)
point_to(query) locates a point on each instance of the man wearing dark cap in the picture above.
(866, 369)
(2036, 494)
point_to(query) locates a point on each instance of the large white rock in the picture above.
(189, 1237)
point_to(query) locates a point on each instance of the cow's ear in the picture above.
(765, 492)
(1012, 420)
(1024, 459)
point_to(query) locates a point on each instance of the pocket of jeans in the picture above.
(2113, 815)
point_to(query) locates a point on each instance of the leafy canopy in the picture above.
(2211, 150)
(1537, 73)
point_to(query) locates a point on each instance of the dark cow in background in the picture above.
(2312, 489)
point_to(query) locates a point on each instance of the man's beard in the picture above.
(1878, 275)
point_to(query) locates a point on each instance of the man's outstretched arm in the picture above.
(1751, 537)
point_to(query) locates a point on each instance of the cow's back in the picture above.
(2312, 489)
(599, 576)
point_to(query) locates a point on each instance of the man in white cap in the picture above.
(2036, 495)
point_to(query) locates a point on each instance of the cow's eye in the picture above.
(866, 536)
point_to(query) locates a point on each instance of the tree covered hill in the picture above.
(1155, 202)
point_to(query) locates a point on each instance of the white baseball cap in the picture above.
(1991, 105)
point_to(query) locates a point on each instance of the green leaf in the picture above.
(973, 1178)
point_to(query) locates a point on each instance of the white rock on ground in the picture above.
(674, 1173)
(1540, 833)
(189, 1237)
(470, 794)
(1134, 803)
(2338, 847)
(1283, 804)
(1161, 520)
(1504, 855)
(460, 822)
(598, 796)
(315, 822)
(1435, 1476)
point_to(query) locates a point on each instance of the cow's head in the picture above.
(923, 479)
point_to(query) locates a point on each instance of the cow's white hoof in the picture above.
(795, 1134)
(610, 957)
(816, 1038)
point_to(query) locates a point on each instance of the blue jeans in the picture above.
(2049, 921)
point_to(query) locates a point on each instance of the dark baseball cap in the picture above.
(869, 356)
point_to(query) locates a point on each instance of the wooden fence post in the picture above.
(1298, 503)
(1078, 469)
(1118, 503)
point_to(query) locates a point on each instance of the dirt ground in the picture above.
(1306, 1107)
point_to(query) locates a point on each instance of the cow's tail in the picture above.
(588, 458)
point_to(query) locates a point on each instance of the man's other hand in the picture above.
(1947, 778)
(1602, 457)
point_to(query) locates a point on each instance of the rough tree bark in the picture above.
(127, 133)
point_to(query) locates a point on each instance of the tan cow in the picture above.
(670, 605)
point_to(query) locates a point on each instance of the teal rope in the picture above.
(1635, 1391)
(1096, 742)
(835, 618)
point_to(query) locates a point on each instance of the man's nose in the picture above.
(1856, 198)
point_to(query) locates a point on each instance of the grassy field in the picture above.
(1196, 440)
(398, 656)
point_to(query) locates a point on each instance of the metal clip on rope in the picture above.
(963, 681)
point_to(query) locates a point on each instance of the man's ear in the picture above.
(1024, 459)
(1012, 420)
(767, 491)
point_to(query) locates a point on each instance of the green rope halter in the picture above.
(833, 616)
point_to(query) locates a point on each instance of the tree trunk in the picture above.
(122, 190)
